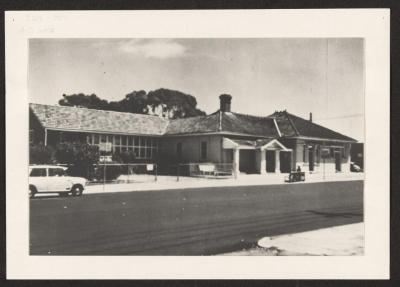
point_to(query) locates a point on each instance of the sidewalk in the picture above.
(345, 240)
(144, 183)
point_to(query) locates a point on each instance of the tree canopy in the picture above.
(162, 102)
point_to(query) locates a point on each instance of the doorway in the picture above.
(286, 161)
(270, 160)
(311, 159)
(247, 160)
(338, 162)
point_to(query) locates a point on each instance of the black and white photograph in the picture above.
(161, 146)
(196, 146)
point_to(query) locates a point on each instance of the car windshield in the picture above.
(56, 172)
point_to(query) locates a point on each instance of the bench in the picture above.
(212, 170)
(296, 176)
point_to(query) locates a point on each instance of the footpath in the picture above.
(147, 182)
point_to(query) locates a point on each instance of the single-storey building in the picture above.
(280, 142)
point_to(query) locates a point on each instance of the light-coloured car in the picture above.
(54, 179)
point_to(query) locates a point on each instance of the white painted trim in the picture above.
(103, 132)
(277, 128)
(277, 142)
(229, 144)
(220, 121)
(322, 139)
(215, 134)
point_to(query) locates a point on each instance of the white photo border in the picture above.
(370, 24)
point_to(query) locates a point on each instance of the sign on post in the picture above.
(106, 147)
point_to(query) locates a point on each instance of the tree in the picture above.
(79, 156)
(176, 104)
(41, 154)
(162, 102)
(85, 101)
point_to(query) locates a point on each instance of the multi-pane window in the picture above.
(142, 147)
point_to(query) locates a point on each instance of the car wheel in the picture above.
(32, 191)
(77, 190)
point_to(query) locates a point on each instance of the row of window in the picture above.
(142, 147)
(318, 155)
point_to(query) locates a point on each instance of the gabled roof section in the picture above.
(264, 144)
(247, 124)
(224, 122)
(294, 126)
(82, 119)
(194, 125)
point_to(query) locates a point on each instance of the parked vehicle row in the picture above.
(54, 179)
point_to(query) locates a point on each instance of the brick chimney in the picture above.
(310, 117)
(225, 103)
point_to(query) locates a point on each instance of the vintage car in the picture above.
(54, 179)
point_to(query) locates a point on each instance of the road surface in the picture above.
(196, 221)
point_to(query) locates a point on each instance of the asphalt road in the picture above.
(198, 221)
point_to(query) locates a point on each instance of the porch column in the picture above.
(236, 161)
(277, 162)
(263, 163)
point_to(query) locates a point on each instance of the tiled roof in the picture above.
(224, 122)
(246, 124)
(82, 119)
(202, 124)
(292, 126)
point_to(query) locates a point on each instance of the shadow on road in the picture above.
(336, 214)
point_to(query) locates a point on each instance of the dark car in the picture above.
(355, 168)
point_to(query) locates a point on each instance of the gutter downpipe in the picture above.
(220, 121)
(277, 128)
(45, 137)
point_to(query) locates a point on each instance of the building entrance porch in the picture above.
(259, 156)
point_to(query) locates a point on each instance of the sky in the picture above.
(318, 75)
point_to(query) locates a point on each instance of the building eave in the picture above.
(320, 139)
(102, 132)
(221, 133)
